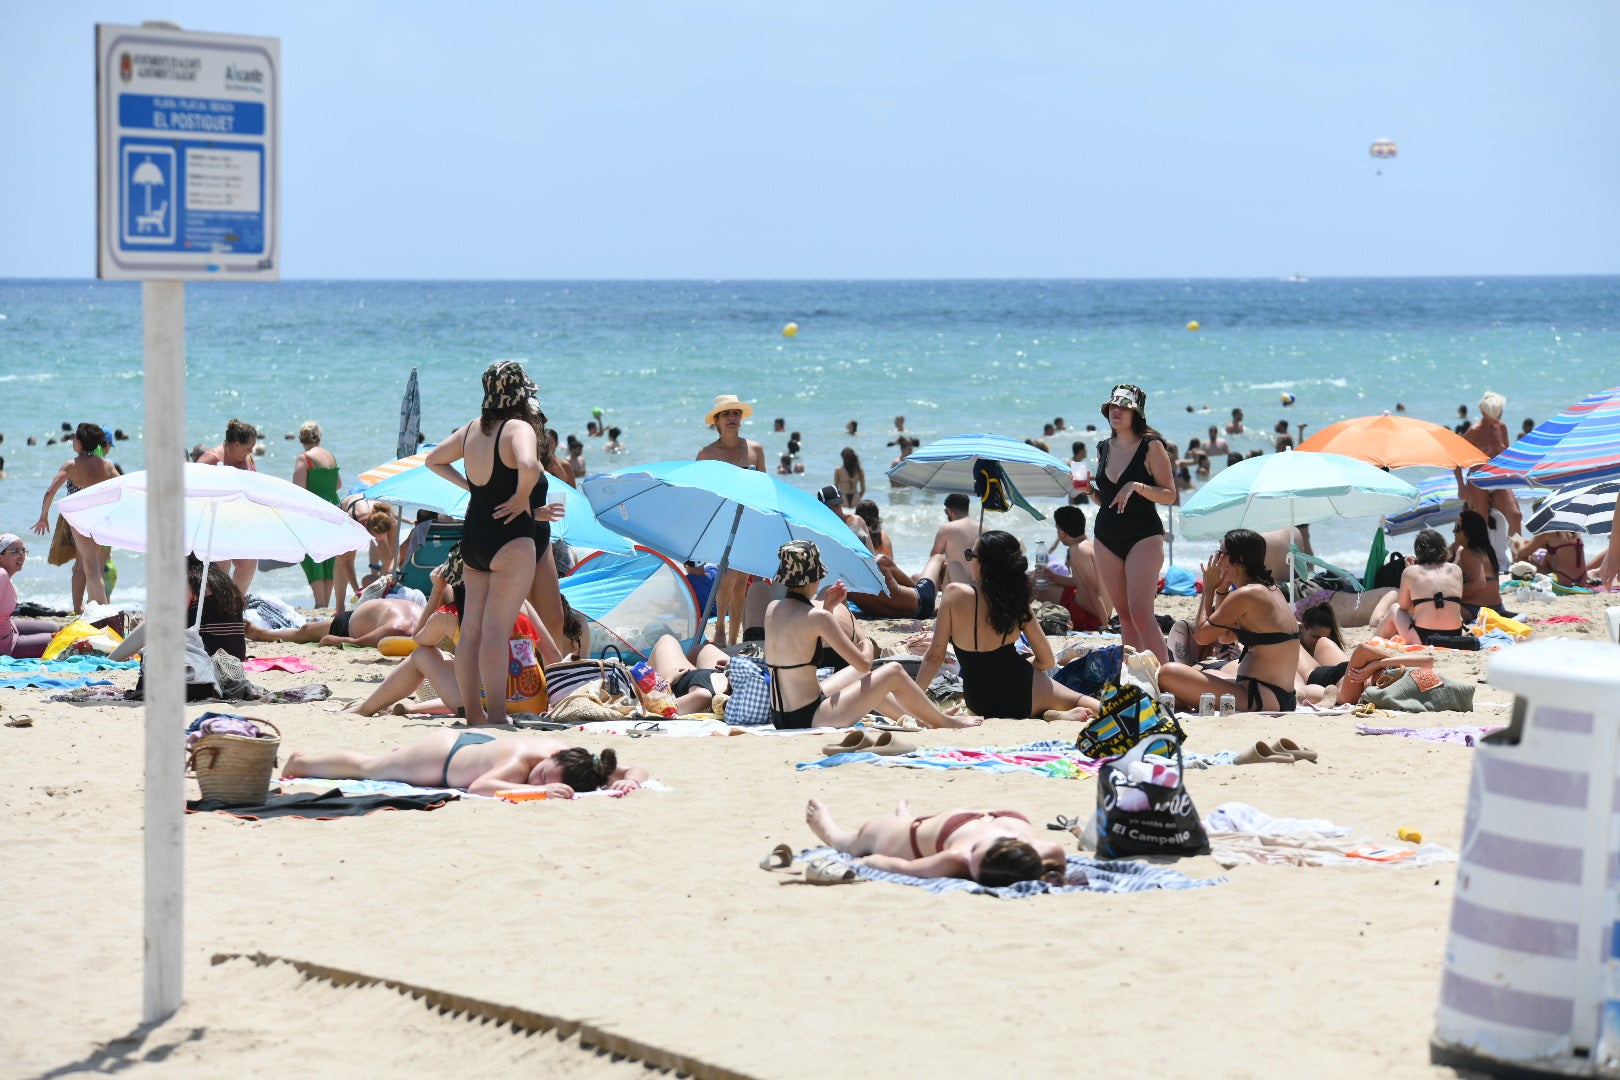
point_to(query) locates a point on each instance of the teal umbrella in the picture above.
(1297, 487)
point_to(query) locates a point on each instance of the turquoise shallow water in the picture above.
(1000, 356)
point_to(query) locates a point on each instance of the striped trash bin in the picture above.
(1531, 981)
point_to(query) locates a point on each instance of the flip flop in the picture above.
(1260, 753)
(780, 858)
(21, 720)
(852, 742)
(1292, 748)
(889, 746)
(830, 872)
(907, 722)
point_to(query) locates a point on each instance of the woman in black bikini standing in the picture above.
(498, 539)
(1241, 600)
(798, 631)
(1133, 479)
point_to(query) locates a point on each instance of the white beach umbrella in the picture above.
(229, 514)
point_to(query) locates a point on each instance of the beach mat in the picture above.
(322, 805)
(1083, 875)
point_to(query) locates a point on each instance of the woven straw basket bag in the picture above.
(234, 769)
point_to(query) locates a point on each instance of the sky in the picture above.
(850, 139)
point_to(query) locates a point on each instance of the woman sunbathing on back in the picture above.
(992, 847)
(479, 763)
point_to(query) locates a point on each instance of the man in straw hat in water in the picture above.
(726, 418)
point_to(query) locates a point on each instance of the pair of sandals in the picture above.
(822, 871)
(1282, 752)
(867, 741)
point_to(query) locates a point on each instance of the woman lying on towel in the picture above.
(1331, 675)
(478, 763)
(1241, 601)
(800, 634)
(983, 620)
(992, 847)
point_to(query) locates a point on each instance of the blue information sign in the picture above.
(187, 150)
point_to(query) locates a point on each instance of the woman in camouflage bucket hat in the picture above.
(501, 539)
(799, 633)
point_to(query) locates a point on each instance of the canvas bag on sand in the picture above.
(1136, 817)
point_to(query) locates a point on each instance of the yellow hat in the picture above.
(728, 401)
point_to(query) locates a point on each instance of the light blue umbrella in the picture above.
(712, 511)
(1297, 487)
(947, 466)
(423, 487)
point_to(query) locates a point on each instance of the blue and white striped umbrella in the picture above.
(1583, 508)
(1578, 446)
(947, 466)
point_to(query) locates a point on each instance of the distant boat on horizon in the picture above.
(1296, 277)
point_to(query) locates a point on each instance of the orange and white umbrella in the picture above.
(377, 474)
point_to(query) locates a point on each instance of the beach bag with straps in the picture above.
(233, 759)
(1125, 718)
(605, 679)
(1138, 817)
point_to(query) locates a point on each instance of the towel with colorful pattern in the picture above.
(1047, 757)
(1084, 875)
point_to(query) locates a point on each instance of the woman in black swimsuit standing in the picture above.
(1241, 600)
(498, 537)
(1133, 479)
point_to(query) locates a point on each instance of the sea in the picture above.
(1003, 356)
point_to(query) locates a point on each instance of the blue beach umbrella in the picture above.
(1437, 504)
(421, 486)
(712, 511)
(1578, 446)
(947, 466)
(1299, 487)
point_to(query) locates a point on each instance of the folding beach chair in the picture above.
(1307, 567)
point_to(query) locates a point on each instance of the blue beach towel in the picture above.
(80, 664)
(1086, 875)
(938, 757)
(47, 682)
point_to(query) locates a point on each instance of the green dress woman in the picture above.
(316, 471)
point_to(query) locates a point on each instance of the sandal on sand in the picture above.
(1260, 753)
(830, 872)
(852, 742)
(20, 720)
(780, 858)
(889, 746)
(1294, 750)
(907, 722)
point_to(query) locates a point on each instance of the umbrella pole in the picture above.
(163, 319)
(208, 554)
(725, 562)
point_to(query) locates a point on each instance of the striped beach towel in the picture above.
(1084, 875)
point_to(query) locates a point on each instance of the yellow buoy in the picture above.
(1193, 325)
(790, 330)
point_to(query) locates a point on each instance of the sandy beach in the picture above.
(647, 919)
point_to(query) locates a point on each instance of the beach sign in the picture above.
(187, 155)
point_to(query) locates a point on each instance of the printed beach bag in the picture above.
(750, 701)
(1143, 807)
(1127, 716)
(525, 679)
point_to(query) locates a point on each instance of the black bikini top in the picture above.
(1438, 600)
(1250, 638)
